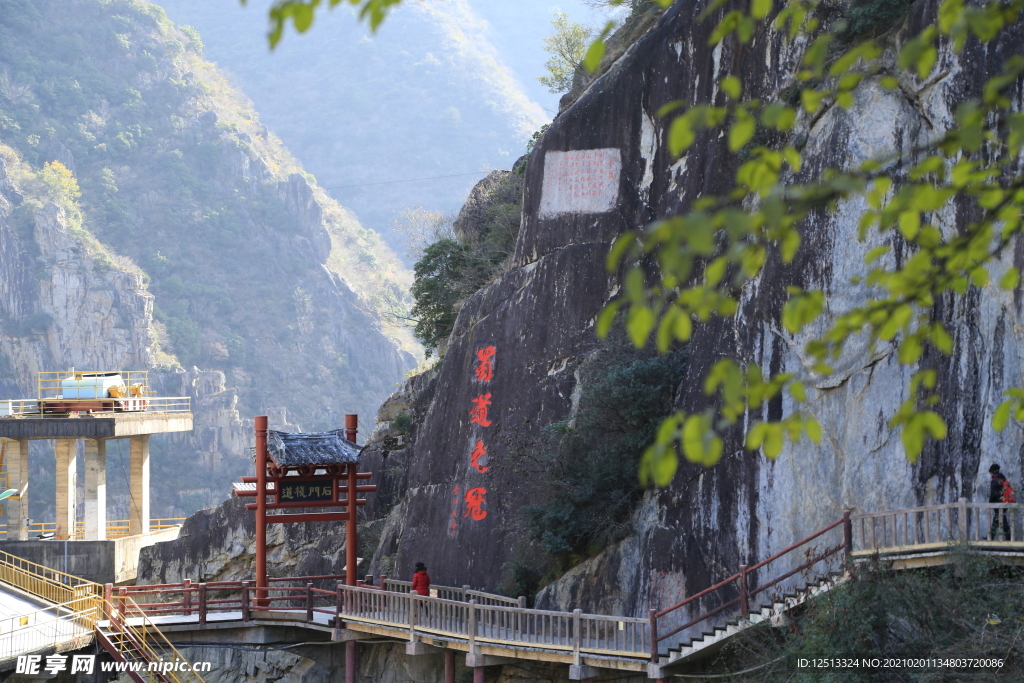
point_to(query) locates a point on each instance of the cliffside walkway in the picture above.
(492, 629)
(140, 623)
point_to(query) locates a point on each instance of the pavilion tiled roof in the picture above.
(315, 448)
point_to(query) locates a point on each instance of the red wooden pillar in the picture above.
(261, 509)
(478, 674)
(351, 427)
(350, 661)
(351, 542)
(449, 665)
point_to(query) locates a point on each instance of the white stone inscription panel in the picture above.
(580, 181)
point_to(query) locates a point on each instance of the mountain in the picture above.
(197, 239)
(428, 95)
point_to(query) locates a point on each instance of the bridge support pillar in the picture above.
(138, 476)
(66, 456)
(582, 672)
(350, 661)
(449, 666)
(95, 490)
(16, 507)
(478, 674)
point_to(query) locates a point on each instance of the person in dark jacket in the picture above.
(421, 580)
(995, 495)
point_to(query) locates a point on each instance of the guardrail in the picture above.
(73, 621)
(960, 522)
(464, 594)
(116, 528)
(508, 624)
(49, 584)
(515, 627)
(57, 407)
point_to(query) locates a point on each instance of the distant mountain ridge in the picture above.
(427, 95)
(197, 238)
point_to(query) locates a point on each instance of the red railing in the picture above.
(209, 597)
(739, 581)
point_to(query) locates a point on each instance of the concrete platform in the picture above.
(100, 426)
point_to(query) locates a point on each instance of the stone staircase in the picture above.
(776, 612)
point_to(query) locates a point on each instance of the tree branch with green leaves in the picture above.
(690, 268)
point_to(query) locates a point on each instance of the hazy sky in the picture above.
(446, 87)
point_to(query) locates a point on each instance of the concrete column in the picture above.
(16, 459)
(138, 480)
(95, 490)
(67, 484)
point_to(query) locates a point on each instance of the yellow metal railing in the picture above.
(50, 407)
(49, 584)
(138, 639)
(116, 528)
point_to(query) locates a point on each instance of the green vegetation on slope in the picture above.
(169, 160)
(591, 459)
(973, 607)
(453, 268)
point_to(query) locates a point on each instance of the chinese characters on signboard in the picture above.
(474, 499)
(580, 181)
(304, 491)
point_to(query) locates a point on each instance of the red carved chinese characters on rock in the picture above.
(475, 499)
(484, 370)
(478, 413)
(478, 452)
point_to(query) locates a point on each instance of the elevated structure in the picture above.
(94, 407)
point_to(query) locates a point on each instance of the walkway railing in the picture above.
(477, 618)
(811, 559)
(32, 408)
(116, 528)
(960, 522)
(71, 622)
(464, 594)
(49, 584)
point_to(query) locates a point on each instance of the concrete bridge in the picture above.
(143, 623)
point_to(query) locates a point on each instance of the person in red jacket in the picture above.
(421, 580)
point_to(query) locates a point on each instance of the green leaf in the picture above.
(1002, 415)
(813, 429)
(759, 9)
(595, 53)
(773, 441)
(789, 245)
(742, 130)
(910, 223)
(1010, 279)
(926, 61)
(639, 323)
(680, 135)
(621, 245)
(683, 327)
(732, 86)
(811, 100)
(606, 318)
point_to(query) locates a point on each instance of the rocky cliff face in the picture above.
(60, 305)
(519, 342)
(539, 319)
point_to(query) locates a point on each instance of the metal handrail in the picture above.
(49, 584)
(33, 408)
(69, 621)
(141, 641)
